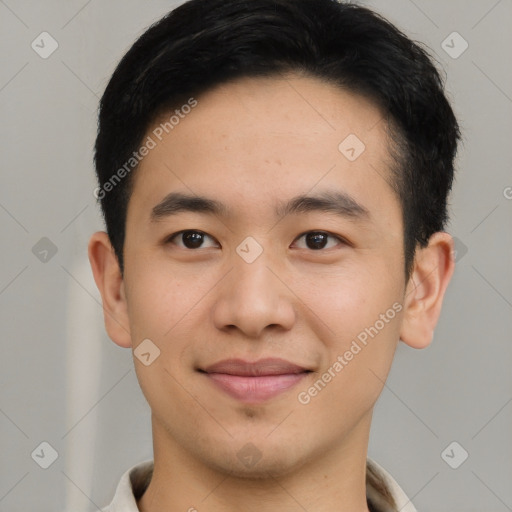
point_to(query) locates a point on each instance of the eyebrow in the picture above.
(339, 203)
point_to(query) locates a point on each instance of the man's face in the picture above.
(254, 145)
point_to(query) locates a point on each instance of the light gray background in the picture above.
(64, 382)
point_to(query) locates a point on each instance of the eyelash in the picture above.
(169, 239)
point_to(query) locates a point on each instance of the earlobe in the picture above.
(107, 275)
(433, 269)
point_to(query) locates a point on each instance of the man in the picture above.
(273, 176)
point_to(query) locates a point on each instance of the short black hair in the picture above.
(205, 43)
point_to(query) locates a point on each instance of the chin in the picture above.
(258, 461)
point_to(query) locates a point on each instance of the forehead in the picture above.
(256, 140)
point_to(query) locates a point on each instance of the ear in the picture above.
(433, 269)
(109, 281)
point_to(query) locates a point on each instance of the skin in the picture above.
(251, 144)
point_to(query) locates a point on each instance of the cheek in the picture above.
(160, 310)
(358, 358)
(350, 300)
(158, 300)
(167, 306)
(362, 309)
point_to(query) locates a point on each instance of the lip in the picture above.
(255, 382)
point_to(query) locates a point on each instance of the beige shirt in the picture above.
(135, 480)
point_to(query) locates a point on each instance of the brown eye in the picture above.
(190, 239)
(317, 240)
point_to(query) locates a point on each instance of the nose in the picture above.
(254, 297)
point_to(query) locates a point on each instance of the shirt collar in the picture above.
(135, 480)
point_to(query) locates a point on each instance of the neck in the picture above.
(330, 481)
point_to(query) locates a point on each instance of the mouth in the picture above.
(254, 382)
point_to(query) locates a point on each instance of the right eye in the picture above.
(190, 238)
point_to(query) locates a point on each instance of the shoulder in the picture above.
(130, 488)
(383, 491)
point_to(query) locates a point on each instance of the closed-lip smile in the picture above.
(254, 382)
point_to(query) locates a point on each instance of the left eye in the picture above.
(317, 240)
